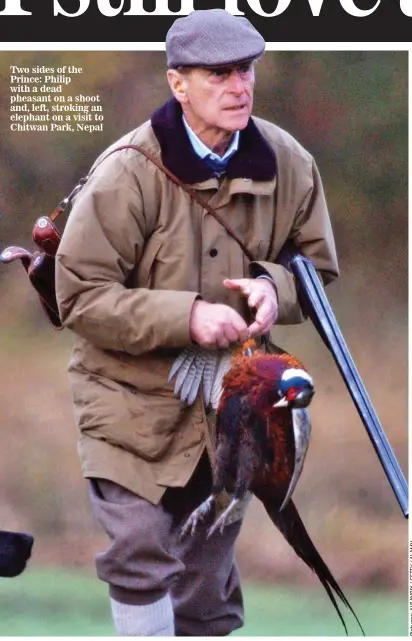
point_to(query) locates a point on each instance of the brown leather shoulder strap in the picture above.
(189, 190)
(202, 202)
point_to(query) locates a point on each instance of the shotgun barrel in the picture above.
(315, 304)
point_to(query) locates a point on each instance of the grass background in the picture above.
(61, 602)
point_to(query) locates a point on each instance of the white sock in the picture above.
(150, 620)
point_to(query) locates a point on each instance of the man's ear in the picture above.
(177, 82)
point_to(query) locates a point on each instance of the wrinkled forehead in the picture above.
(236, 66)
(240, 67)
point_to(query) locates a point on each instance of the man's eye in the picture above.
(220, 73)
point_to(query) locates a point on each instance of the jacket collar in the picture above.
(255, 159)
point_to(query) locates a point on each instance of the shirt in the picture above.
(217, 163)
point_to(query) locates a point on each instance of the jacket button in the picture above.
(213, 252)
(187, 454)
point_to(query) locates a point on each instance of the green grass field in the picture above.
(59, 602)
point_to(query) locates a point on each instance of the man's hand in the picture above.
(261, 295)
(216, 326)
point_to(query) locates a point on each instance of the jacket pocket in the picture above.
(151, 420)
(144, 424)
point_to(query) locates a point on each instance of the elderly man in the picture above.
(143, 270)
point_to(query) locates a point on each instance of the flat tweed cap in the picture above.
(212, 38)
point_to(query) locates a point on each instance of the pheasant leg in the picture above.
(198, 515)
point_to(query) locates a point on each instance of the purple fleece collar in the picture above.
(254, 159)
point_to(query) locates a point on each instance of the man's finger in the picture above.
(264, 311)
(222, 342)
(231, 334)
(264, 319)
(231, 283)
(241, 329)
(266, 315)
(242, 284)
(255, 329)
(256, 298)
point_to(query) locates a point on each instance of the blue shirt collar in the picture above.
(203, 151)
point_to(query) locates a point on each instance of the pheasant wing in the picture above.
(197, 367)
(181, 368)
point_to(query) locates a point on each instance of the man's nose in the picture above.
(236, 83)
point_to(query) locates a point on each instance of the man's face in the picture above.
(219, 98)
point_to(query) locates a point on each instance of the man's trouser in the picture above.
(146, 559)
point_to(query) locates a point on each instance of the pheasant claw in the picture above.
(220, 523)
(197, 516)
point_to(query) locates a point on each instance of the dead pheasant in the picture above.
(263, 431)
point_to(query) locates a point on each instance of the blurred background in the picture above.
(349, 109)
